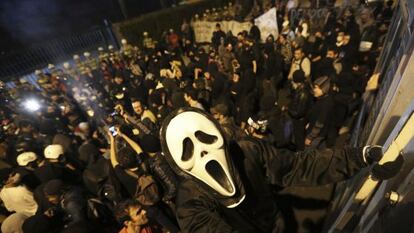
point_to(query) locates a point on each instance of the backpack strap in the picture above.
(131, 173)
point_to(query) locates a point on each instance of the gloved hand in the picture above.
(388, 169)
(372, 154)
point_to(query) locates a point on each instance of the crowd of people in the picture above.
(81, 150)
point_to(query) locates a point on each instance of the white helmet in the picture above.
(53, 151)
(194, 146)
(25, 158)
(66, 65)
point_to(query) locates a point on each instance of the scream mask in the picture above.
(195, 148)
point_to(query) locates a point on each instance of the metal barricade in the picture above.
(23, 62)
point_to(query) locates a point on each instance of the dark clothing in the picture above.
(163, 173)
(127, 181)
(272, 65)
(50, 171)
(300, 103)
(230, 129)
(219, 86)
(154, 211)
(259, 165)
(28, 177)
(255, 33)
(157, 213)
(319, 117)
(246, 60)
(71, 208)
(217, 35)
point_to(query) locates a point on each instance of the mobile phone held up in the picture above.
(113, 131)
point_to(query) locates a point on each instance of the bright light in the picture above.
(32, 105)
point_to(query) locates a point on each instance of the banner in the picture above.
(267, 23)
(203, 30)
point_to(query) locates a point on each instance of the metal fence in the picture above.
(23, 62)
(370, 115)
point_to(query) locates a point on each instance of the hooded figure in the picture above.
(227, 186)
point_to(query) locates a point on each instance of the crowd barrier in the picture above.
(23, 62)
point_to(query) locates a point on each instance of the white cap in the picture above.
(37, 72)
(53, 151)
(145, 33)
(100, 49)
(50, 66)
(123, 41)
(110, 47)
(25, 158)
(86, 54)
(83, 126)
(22, 80)
(66, 65)
(75, 57)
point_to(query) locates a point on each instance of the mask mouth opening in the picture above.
(215, 170)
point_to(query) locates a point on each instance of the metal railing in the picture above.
(369, 113)
(23, 62)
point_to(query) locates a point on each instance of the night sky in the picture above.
(25, 23)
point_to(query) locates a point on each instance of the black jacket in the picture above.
(261, 167)
(319, 117)
(163, 173)
(301, 102)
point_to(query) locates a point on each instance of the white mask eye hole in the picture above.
(188, 149)
(205, 138)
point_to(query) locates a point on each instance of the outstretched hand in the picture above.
(387, 170)
(372, 154)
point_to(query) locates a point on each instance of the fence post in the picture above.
(111, 34)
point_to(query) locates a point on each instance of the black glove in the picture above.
(372, 154)
(388, 169)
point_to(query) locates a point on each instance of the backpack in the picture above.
(147, 192)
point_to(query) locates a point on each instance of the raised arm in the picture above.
(307, 168)
(112, 144)
(131, 142)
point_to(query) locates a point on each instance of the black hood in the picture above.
(210, 166)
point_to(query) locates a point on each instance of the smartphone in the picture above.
(113, 130)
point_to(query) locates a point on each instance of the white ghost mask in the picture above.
(198, 148)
